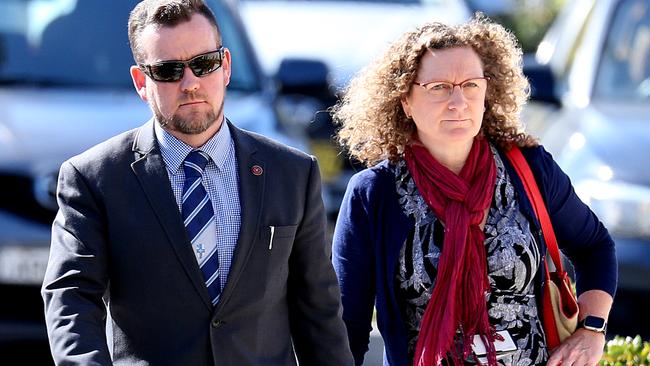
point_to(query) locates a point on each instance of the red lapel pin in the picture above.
(257, 170)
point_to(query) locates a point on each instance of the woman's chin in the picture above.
(460, 135)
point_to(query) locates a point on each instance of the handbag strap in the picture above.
(532, 191)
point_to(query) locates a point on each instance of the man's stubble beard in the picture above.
(186, 126)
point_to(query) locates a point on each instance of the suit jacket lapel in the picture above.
(251, 193)
(151, 172)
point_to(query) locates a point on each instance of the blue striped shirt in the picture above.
(221, 181)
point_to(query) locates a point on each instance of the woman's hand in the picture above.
(582, 348)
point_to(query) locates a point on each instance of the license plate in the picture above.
(23, 265)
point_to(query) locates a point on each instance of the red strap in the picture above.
(532, 191)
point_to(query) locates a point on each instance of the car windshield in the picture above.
(84, 43)
(624, 72)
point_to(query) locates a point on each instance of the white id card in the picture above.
(503, 347)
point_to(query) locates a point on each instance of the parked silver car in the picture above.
(595, 69)
(64, 87)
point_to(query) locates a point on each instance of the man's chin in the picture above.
(192, 127)
(191, 130)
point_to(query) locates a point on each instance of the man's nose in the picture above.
(189, 82)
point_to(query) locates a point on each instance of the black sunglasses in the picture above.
(170, 71)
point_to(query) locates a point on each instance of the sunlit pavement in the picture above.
(374, 356)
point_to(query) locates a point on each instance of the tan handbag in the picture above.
(559, 304)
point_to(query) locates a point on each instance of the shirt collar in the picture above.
(174, 151)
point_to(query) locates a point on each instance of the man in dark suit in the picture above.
(189, 241)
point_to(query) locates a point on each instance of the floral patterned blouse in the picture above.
(513, 258)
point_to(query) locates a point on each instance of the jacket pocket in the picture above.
(272, 257)
(279, 235)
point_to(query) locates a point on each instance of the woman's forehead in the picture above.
(456, 63)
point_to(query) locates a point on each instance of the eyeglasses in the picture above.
(441, 91)
(170, 71)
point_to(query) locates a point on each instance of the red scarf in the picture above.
(459, 294)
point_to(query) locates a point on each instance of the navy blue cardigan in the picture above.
(372, 227)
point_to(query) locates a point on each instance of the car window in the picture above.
(624, 71)
(565, 35)
(245, 71)
(84, 43)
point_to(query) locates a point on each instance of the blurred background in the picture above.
(65, 86)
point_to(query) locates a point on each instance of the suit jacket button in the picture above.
(216, 323)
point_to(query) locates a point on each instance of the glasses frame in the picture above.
(147, 68)
(453, 85)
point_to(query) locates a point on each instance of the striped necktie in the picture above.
(198, 217)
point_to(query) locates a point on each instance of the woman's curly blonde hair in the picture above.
(374, 126)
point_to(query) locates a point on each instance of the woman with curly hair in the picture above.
(438, 232)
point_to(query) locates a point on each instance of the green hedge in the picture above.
(626, 351)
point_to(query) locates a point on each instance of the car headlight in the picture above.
(623, 208)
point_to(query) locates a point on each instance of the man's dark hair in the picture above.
(164, 13)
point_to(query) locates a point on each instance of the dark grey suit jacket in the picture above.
(123, 286)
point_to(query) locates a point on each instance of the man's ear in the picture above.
(226, 65)
(139, 81)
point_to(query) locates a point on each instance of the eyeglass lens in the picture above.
(471, 89)
(201, 65)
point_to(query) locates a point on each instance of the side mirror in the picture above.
(303, 91)
(542, 81)
(303, 76)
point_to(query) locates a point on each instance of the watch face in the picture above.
(594, 322)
